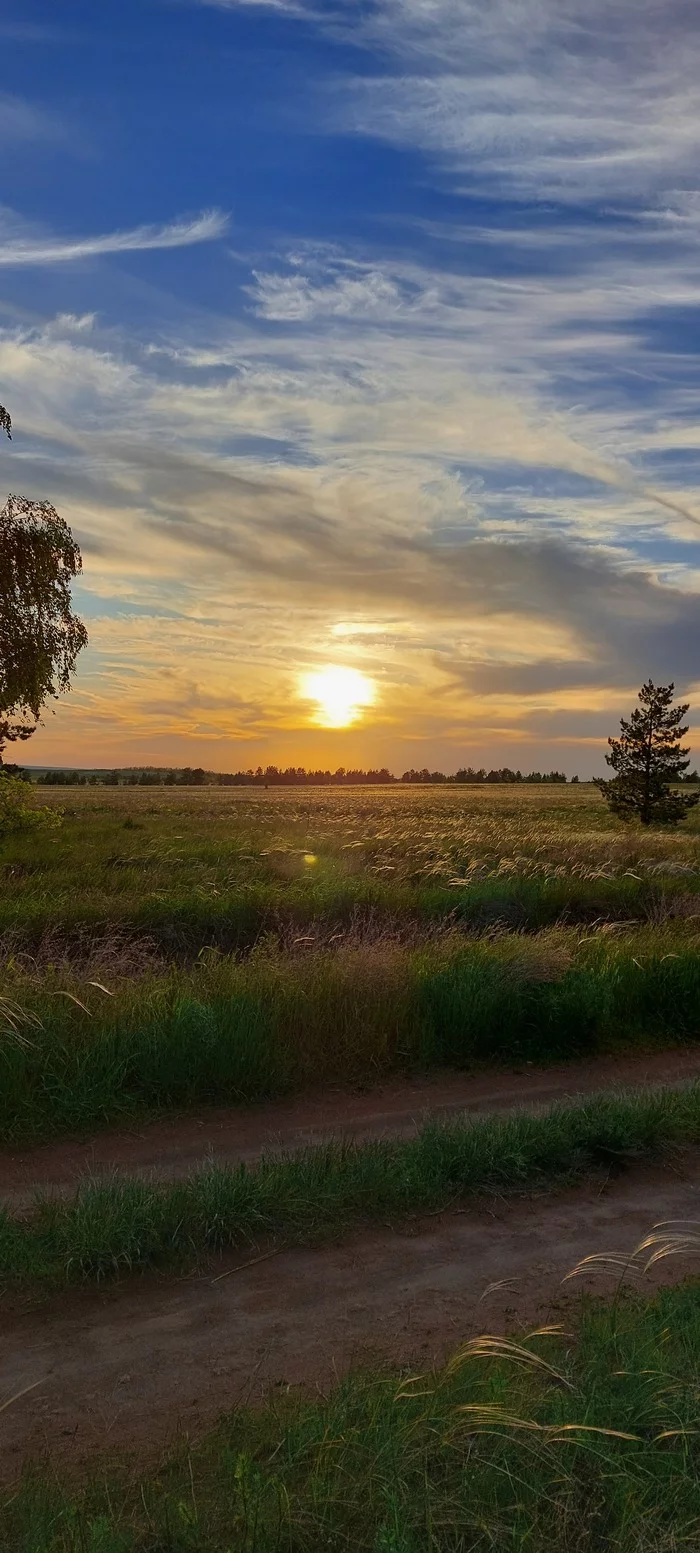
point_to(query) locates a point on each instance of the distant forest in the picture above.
(292, 776)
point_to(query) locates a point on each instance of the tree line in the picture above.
(290, 776)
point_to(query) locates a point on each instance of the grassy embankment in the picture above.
(592, 1449)
(123, 1225)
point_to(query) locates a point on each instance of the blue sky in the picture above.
(358, 336)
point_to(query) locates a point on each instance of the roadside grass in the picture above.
(123, 1225)
(589, 1445)
(80, 1051)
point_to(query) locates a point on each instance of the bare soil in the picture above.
(170, 1148)
(125, 1367)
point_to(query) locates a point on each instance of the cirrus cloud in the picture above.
(16, 250)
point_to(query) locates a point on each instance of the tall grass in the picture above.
(230, 1030)
(181, 920)
(216, 867)
(589, 1448)
(121, 1225)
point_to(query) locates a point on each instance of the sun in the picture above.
(340, 694)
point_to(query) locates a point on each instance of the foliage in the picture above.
(18, 809)
(647, 758)
(40, 636)
(291, 776)
(5, 421)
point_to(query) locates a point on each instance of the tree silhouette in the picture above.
(647, 758)
(40, 636)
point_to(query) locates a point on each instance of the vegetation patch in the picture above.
(122, 1225)
(88, 1045)
(193, 867)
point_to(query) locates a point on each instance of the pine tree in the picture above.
(646, 758)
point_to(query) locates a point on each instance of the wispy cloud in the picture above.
(18, 250)
(21, 120)
(291, 7)
(566, 99)
(563, 98)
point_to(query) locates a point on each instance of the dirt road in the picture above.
(124, 1367)
(178, 1144)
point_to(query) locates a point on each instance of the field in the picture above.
(201, 947)
(199, 867)
(241, 1027)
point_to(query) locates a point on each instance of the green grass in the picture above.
(221, 867)
(237, 1031)
(182, 923)
(124, 1225)
(148, 892)
(390, 1464)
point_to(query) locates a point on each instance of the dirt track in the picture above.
(178, 1144)
(125, 1367)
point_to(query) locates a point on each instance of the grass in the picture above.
(220, 866)
(593, 1450)
(113, 1040)
(350, 912)
(123, 1225)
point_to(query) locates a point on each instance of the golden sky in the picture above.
(369, 384)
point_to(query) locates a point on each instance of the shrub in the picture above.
(19, 810)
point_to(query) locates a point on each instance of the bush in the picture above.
(19, 810)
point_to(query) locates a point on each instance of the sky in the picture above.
(357, 341)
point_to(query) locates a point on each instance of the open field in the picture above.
(191, 867)
(168, 951)
(176, 948)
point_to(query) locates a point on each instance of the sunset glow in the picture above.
(380, 441)
(341, 695)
